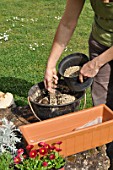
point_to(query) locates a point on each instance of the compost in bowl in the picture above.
(46, 111)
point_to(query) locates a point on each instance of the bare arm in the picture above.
(91, 68)
(63, 34)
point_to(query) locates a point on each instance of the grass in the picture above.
(30, 27)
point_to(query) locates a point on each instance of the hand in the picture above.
(90, 69)
(50, 79)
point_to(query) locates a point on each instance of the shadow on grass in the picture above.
(18, 87)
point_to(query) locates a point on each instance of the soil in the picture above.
(72, 71)
(61, 96)
(93, 159)
(57, 98)
(18, 115)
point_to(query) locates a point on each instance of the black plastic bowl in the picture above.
(46, 111)
(76, 59)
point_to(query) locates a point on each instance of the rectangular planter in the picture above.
(63, 128)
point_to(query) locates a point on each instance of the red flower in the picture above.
(29, 147)
(59, 142)
(58, 149)
(17, 160)
(52, 156)
(43, 151)
(52, 147)
(45, 164)
(41, 144)
(20, 151)
(47, 146)
(44, 157)
(33, 154)
(24, 156)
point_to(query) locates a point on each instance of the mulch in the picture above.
(18, 115)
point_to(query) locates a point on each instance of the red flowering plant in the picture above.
(45, 157)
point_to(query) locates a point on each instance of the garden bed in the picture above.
(90, 159)
(19, 115)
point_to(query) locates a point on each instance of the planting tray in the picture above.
(64, 128)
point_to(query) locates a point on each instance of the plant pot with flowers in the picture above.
(44, 158)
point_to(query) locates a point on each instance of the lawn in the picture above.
(26, 33)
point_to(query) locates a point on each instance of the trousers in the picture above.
(102, 87)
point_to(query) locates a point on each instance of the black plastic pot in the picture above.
(45, 111)
(76, 59)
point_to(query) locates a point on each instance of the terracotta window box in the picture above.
(62, 128)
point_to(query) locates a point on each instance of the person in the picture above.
(100, 42)
(100, 49)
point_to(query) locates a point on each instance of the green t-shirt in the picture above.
(102, 28)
